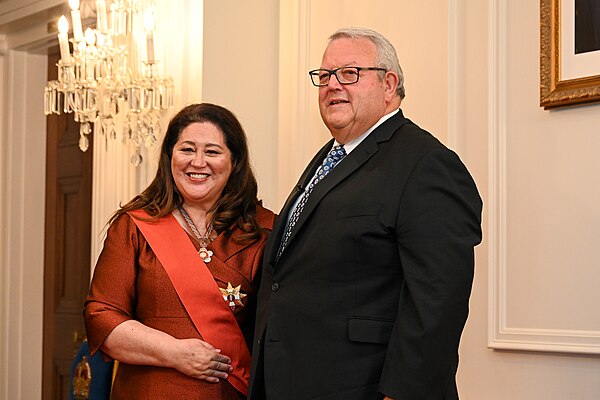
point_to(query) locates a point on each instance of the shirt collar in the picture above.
(354, 143)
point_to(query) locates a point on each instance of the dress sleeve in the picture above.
(112, 296)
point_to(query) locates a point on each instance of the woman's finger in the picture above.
(221, 358)
(219, 366)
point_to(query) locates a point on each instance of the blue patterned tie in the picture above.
(336, 155)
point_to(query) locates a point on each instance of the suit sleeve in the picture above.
(438, 225)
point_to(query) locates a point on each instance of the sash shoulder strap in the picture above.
(198, 291)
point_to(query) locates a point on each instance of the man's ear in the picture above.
(391, 83)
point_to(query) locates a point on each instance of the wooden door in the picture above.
(67, 246)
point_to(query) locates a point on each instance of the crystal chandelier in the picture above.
(110, 79)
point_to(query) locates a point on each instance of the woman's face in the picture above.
(201, 164)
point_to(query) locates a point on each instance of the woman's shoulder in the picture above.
(122, 230)
(127, 220)
(121, 220)
(264, 217)
(122, 223)
(138, 214)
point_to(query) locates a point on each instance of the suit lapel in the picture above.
(272, 246)
(346, 167)
(361, 154)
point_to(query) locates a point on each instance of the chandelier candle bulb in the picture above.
(90, 37)
(149, 26)
(150, 47)
(101, 17)
(63, 39)
(86, 64)
(76, 20)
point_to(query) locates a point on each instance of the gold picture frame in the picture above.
(554, 91)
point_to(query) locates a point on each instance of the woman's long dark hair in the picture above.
(237, 204)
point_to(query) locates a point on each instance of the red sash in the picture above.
(198, 292)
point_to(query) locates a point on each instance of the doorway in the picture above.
(67, 246)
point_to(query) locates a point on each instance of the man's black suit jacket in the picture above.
(371, 293)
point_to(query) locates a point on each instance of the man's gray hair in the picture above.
(386, 53)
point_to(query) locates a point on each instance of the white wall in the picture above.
(538, 264)
(240, 72)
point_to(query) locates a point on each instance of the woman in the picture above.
(153, 302)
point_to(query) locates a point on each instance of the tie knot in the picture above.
(338, 150)
(336, 153)
(334, 156)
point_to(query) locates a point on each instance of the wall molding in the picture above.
(23, 163)
(502, 336)
(113, 183)
(294, 46)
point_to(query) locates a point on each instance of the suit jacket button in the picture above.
(275, 287)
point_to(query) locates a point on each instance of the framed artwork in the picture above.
(569, 52)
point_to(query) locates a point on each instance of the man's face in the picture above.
(349, 110)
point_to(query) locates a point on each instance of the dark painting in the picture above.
(587, 26)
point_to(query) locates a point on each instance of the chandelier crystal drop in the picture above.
(110, 81)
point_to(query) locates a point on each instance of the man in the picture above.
(368, 271)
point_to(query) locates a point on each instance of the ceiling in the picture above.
(17, 15)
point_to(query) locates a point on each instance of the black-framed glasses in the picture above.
(344, 75)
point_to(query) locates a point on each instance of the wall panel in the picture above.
(545, 222)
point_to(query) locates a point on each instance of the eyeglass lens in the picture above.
(345, 75)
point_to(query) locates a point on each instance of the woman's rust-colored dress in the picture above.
(130, 283)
